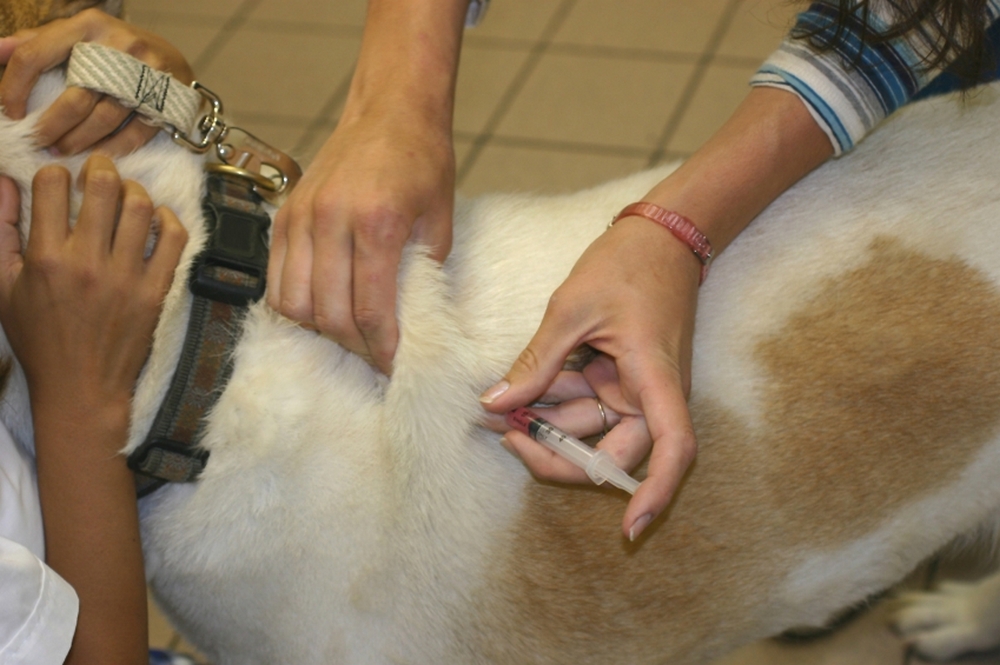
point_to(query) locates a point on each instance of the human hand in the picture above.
(632, 297)
(80, 305)
(379, 181)
(80, 119)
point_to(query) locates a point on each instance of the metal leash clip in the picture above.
(272, 173)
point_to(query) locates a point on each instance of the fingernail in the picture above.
(506, 444)
(638, 526)
(492, 393)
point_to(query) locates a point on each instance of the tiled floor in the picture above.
(553, 95)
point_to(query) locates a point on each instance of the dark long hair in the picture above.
(952, 32)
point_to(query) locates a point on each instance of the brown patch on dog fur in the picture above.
(874, 391)
(20, 14)
(881, 390)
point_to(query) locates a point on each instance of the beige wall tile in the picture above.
(597, 100)
(720, 92)
(279, 73)
(509, 169)
(758, 28)
(665, 25)
(483, 77)
(338, 12)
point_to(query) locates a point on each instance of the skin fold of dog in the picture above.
(846, 398)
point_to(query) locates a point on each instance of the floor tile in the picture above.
(667, 25)
(191, 40)
(864, 641)
(218, 8)
(757, 28)
(484, 75)
(337, 12)
(720, 92)
(515, 19)
(283, 136)
(283, 74)
(596, 100)
(161, 633)
(309, 143)
(462, 147)
(506, 168)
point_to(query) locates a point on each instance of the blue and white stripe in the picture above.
(848, 94)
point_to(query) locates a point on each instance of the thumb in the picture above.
(11, 259)
(533, 371)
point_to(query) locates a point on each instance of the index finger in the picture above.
(34, 56)
(10, 241)
(665, 408)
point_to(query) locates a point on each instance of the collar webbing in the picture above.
(226, 278)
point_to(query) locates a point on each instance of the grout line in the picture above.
(694, 82)
(226, 32)
(323, 121)
(299, 27)
(553, 145)
(514, 141)
(623, 53)
(504, 44)
(510, 94)
(147, 17)
(293, 121)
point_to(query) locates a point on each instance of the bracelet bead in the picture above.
(681, 227)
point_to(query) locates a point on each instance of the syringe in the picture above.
(598, 464)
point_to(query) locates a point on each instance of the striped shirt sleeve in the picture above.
(846, 94)
(477, 10)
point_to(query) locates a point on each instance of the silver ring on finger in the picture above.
(604, 417)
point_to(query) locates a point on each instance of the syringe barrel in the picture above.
(575, 451)
(598, 464)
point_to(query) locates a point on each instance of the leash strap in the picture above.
(157, 95)
(226, 278)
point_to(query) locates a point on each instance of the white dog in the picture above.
(846, 397)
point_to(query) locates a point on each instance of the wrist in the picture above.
(680, 227)
(408, 61)
(767, 145)
(101, 424)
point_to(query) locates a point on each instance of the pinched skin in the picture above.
(846, 397)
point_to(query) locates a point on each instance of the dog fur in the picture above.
(846, 396)
(19, 14)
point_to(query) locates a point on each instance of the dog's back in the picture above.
(846, 399)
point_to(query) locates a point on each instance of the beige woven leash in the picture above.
(162, 99)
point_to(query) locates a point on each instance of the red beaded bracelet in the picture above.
(680, 226)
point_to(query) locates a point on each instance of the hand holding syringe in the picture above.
(598, 464)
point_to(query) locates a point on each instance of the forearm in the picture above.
(91, 527)
(768, 144)
(409, 60)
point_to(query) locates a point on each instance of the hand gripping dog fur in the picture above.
(846, 397)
